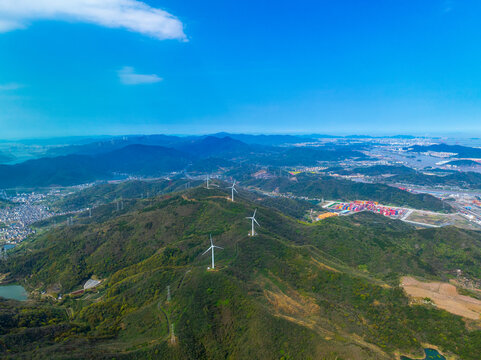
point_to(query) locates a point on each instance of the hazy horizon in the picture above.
(440, 136)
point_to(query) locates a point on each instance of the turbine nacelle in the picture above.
(233, 189)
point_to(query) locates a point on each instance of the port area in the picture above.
(347, 208)
(417, 218)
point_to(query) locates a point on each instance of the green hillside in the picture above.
(106, 193)
(339, 189)
(296, 291)
(464, 180)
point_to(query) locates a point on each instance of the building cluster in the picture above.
(439, 154)
(16, 220)
(263, 174)
(373, 206)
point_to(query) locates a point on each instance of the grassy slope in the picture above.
(295, 291)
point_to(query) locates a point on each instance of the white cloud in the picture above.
(10, 86)
(128, 76)
(133, 15)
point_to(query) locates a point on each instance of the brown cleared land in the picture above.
(444, 296)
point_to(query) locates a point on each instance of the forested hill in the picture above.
(464, 180)
(295, 291)
(77, 169)
(122, 158)
(331, 188)
(112, 192)
(460, 151)
(5, 157)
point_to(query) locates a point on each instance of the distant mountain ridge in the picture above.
(116, 143)
(76, 169)
(212, 146)
(107, 160)
(464, 163)
(461, 151)
(5, 157)
(269, 140)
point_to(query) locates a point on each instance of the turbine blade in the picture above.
(254, 213)
(234, 189)
(218, 247)
(256, 222)
(205, 252)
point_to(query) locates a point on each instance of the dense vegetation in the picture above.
(110, 192)
(379, 170)
(464, 180)
(296, 291)
(76, 169)
(464, 163)
(339, 189)
(154, 156)
(5, 157)
(305, 156)
(461, 151)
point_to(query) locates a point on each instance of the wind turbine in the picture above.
(207, 178)
(253, 219)
(212, 246)
(233, 189)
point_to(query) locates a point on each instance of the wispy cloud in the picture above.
(448, 6)
(133, 15)
(10, 86)
(128, 76)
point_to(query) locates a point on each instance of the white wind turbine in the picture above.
(233, 189)
(212, 246)
(207, 178)
(253, 220)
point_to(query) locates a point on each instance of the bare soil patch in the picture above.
(444, 296)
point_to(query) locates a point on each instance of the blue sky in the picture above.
(165, 66)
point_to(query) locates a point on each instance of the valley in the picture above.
(240, 180)
(119, 267)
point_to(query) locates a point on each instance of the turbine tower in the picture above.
(207, 178)
(253, 220)
(233, 189)
(212, 246)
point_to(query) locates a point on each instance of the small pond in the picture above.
(15, 292)
(431, 354)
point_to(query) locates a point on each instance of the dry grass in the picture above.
(444, 296)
